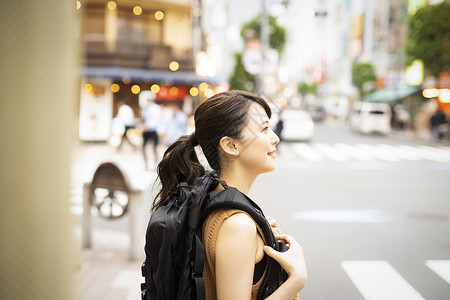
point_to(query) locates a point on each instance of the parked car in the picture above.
(318, 113)
(371, 117)
(298, 125)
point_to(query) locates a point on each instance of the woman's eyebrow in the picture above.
(266, 122)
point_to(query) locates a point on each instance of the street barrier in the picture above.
(112, 196)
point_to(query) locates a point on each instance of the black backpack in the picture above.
(173, 268)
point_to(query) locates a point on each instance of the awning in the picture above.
(144, 75)
(389, 95)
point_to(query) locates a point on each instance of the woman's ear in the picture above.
(228, 146)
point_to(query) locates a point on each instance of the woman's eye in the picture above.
(266, 129)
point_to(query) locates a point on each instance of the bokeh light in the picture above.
(193, 91)
(174, 66)
(137, 10)
(88, 88)
(112, 5)
(155, 88)
(159, 15)
(115, 87)
(173, 90)
(126, 79)
(203, 86)
(135, 89)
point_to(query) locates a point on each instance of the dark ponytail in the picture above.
(178, 164)
(221, 115)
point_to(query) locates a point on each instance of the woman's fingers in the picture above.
(293, 260)
(274, 224)
(287, 239)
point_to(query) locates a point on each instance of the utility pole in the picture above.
(264, 39)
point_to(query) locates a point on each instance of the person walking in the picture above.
(175, 124)
(125, 116)
(151, 121)
(232, 130)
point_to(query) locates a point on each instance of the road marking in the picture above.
(308, 152)
(440, 267)
(341, 152)
(425, 153)
(330, 152)
(354, 152)
(440, 152)
(404, 154)
(363, 165)
(378, 280)
(378, 152)
(343, 216)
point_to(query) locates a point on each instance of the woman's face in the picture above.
(257, 146)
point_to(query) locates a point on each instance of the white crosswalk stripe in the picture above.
(369, 275)
(427, 154)
(308, 152)
(354, 153)
(378, 280)
(331, 153)
(441, 268)
(342, 152)
(399, 152)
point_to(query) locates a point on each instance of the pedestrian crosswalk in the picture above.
(343, 152)
(379, 280)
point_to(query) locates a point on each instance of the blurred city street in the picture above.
(360, 97)
(360, 205)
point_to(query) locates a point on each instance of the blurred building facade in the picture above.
(324, 39)
(134, 50)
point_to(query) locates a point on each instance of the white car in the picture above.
(298, 125)
(370, 117)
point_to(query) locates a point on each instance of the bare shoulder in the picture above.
(239, 223)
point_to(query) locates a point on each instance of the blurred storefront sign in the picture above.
(389, 95)
(147, 75)
(171, 93)
(414, 73)
(355, 47)
(96, 106)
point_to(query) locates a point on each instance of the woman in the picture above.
(233, 132)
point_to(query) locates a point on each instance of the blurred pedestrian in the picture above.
(402, 117)
(175, 124)
(151, 117)
(436, 120)
(232, 131)
(125, 116)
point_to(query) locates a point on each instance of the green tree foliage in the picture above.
(305, 88)
(364, 77)
(241, 79)
(429, 37)
(277, 33)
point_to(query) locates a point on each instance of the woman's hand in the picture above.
(292, 261)
(274, 224)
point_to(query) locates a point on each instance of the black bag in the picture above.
(173, 268)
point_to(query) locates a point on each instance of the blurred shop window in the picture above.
(131, 30)
(94, 25)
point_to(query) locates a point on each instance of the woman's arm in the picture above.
(236, 251)
(239, 247)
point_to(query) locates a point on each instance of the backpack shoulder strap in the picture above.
(233, 198)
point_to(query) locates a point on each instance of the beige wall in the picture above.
(37, 101)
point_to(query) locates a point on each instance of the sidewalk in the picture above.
(105, 271)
